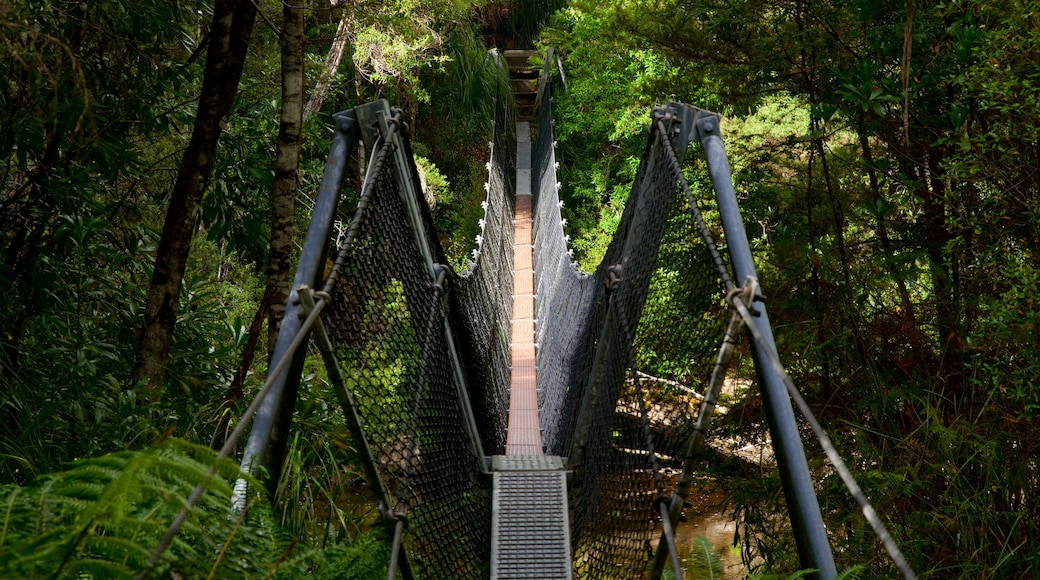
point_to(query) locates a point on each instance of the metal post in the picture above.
(269, 436)
(813, 547)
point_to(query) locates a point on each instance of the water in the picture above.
(704, 518)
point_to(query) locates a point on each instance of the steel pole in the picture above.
(269, 436)
(814, 549)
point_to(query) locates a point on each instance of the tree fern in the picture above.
(103, 516)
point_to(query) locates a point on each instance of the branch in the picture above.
(672, 383)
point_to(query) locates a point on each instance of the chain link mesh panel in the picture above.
(387, 321)
(621, 352)
(483, 299)
(565, 299)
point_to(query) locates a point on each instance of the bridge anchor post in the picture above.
(814, 549)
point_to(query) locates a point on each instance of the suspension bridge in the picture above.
(521, 418)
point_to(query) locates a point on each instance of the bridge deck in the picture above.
(524, 436)
(530, 526)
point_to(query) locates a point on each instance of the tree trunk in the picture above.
(946, 294)
(286, 174)
(339, 44)
(882, 229)
(235, 392)
(225, 58)
(851, 314)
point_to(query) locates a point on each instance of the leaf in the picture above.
(704, 561)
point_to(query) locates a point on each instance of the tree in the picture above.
(287, 160)
(282, 195)
(335, 55)
(229, 33)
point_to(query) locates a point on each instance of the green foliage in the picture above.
(703, 561)
(852, 573)
(366, 557)
(519, 23)
(602, 118)
(103, 516)
(96, 99)
(453, 131)
(891, 196)
(395, 43)
(322, 498)
(70, 400)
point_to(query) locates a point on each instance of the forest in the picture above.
(159, 162)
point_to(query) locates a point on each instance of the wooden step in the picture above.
(524, 80)
(521, 86)
(517, 60)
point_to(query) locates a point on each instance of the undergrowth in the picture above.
(102, 517)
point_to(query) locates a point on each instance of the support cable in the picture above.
(400, 523)
(674, 503)
(671, 506)
(668, 537)
(375, 165)
(698, 219)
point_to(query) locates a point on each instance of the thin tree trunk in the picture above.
(235, 392)
(286, 170)
(912, 328)
(225, 58)
(335, 56)
(283, 201)
(808, 66)
(904, 72)
(946, 293)
(852, 315)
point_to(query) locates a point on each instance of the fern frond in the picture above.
(704, 561)
(366, 557)
(102, 516)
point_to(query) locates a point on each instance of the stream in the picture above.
(704, 518)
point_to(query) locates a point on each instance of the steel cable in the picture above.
(698, 218)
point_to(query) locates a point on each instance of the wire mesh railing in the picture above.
(483, 293)
(386, 322)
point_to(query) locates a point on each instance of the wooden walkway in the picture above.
(530, 527)
(524, 436)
